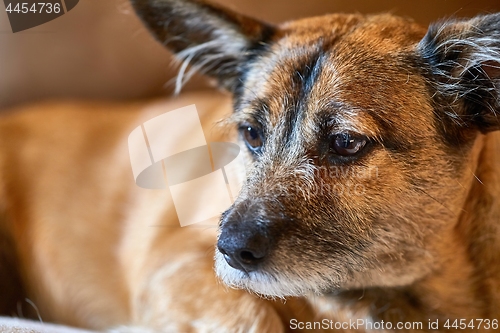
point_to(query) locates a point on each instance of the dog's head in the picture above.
(358, 131)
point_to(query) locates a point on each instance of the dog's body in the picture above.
(404, 124)
(88, 254)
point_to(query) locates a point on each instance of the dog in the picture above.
(371, 194)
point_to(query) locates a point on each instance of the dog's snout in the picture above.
(244, 246)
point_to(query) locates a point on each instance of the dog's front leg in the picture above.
(176, 290)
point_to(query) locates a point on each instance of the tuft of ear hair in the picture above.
(212, 40)
(464, 61)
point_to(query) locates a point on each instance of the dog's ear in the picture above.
(464, 61)
(212, 40)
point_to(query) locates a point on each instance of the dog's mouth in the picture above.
(258, 280)
(269, 279)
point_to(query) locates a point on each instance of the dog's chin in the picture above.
(267, 284)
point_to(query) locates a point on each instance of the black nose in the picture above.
(244, 245)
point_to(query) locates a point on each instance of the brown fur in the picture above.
(405, 231)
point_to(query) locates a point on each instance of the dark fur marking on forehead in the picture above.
(302, 81)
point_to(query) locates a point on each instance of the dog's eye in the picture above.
(252, 137)
(346, 144)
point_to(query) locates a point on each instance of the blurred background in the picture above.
(100, 50)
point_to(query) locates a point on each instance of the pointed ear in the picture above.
(213, 40)
(464, 62)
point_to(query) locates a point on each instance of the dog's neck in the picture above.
(478, 230)
(466, 282)
(468, 277)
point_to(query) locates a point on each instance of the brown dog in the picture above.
(371, 200)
